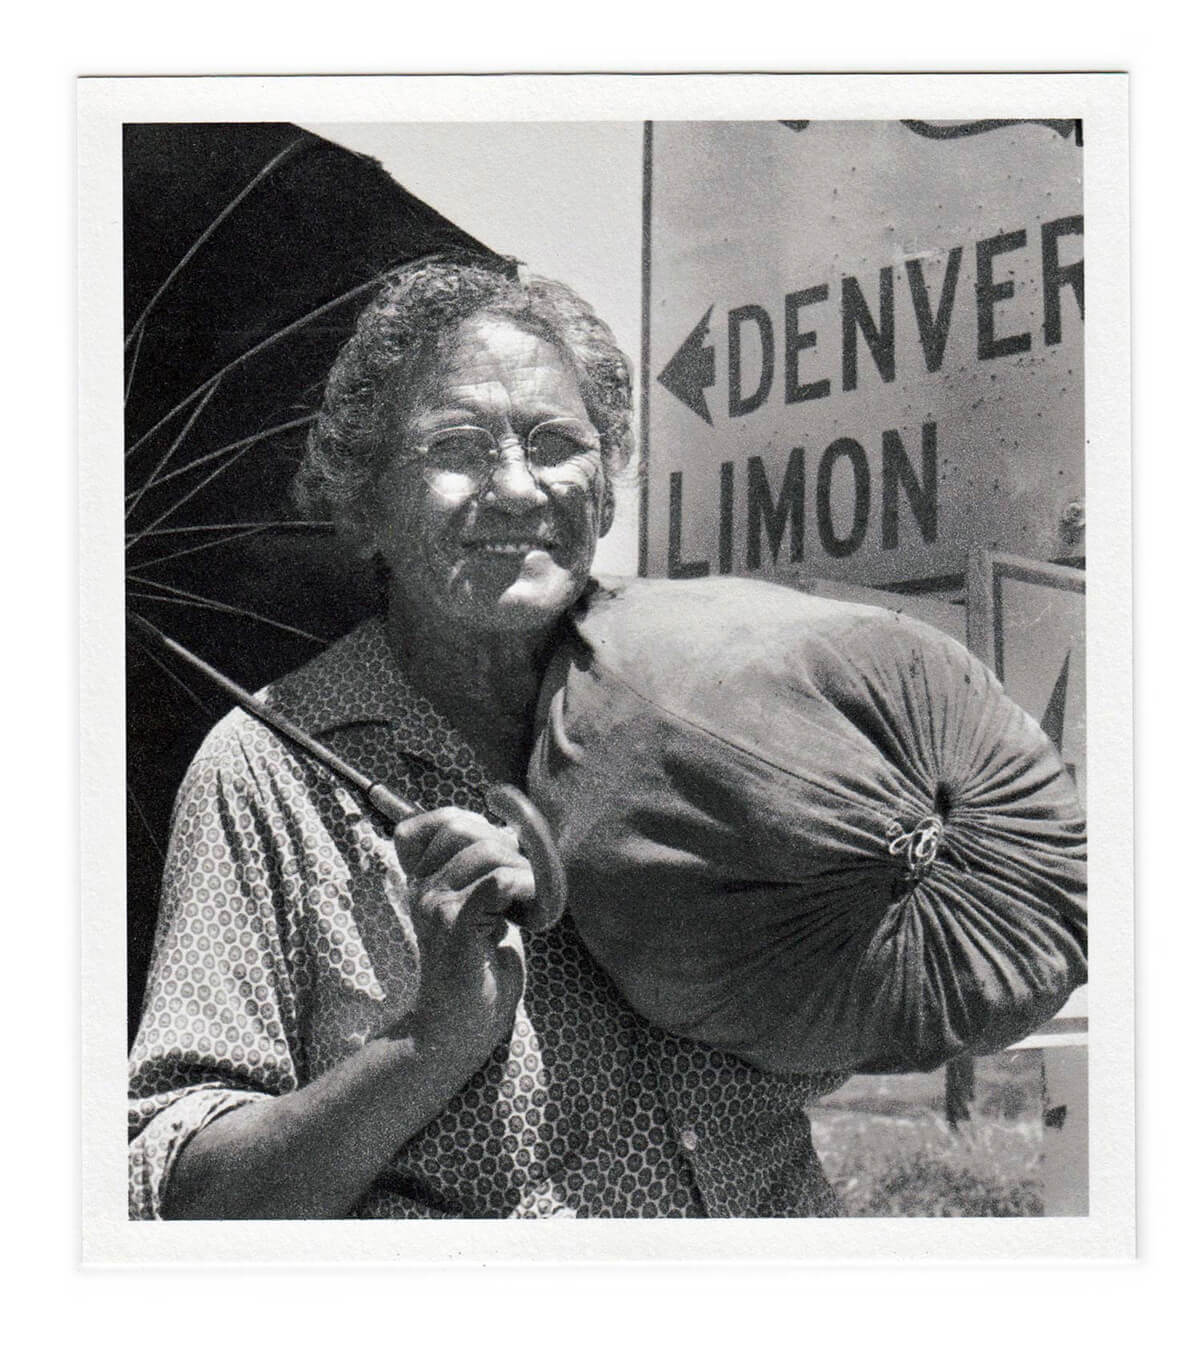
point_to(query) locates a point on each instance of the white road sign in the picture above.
(863, 349)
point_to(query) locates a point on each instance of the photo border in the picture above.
(103, 105)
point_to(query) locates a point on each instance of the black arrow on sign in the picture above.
(691, 369)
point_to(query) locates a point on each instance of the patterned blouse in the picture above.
(284, 944)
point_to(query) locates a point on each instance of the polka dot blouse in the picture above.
(284, 944)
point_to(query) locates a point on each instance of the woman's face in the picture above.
(500, 543)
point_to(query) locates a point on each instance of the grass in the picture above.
(889, 1151)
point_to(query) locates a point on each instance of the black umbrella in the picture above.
(250, 249)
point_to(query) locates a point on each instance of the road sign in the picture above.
(863, 346)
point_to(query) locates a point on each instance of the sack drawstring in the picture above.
(918, 847)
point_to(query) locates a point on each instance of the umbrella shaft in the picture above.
(391, 805)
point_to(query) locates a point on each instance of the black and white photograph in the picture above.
(597, 570)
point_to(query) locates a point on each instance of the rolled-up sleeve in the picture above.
(218, 1027)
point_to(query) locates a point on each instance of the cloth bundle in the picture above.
(814, 834)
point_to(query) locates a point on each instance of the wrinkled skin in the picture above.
(442, 536)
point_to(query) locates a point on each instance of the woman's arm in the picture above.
(313, 1152)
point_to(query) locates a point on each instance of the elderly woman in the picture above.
(343, 1020)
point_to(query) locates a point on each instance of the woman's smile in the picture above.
(510, 545)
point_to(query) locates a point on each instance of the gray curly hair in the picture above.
(413, 314)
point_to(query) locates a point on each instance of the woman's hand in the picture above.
(467, 881)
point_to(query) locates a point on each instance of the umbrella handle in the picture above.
(533, 835)
(537, 843)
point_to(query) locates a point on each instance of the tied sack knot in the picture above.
(918, 848)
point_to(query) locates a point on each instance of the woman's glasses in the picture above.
(470, 450)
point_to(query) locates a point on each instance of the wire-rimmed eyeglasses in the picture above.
(472, 450)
